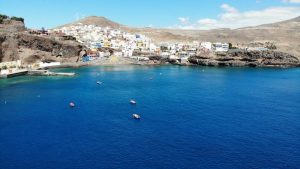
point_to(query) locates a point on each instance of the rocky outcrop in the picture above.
(17, 43)
(11, 26)
(33, 48)
(2, 39)
(63, 49)
(268, 58)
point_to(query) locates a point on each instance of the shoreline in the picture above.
(37, 72)
(45, 71)
(79, 65)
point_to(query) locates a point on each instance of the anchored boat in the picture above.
(133, 102)
(136, 116)
(72, 104)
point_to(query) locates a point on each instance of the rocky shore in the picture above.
(17, 44)
(247, 58)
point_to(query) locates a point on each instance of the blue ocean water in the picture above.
(192, 118)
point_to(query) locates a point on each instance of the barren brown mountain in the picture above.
(285, 35)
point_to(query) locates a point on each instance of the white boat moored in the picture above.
(72, 104)
(132, 101)
(136, 116)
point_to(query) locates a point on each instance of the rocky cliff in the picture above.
(248, 58)
(16, 43)
(32, 48)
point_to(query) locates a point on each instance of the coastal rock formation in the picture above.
(12, 26)
(16, 42)
(248, 58)
(32, 48)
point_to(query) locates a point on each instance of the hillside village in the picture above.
(130, 45)
(86, 43)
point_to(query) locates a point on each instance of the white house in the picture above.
(50, 64)
(206, 45)
(221, 47)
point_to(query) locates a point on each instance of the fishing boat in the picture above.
(72, 104)
(133, 102)
(136, 116)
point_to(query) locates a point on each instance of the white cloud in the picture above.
(184, 20)
(233, 18)
(228, 8)
(291, 1)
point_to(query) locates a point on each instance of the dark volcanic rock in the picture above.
(249, 58)
(14, 46)
(46, 44)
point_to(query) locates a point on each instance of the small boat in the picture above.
(99, 83)
(72, 104)
(132, 101)
(136, 116)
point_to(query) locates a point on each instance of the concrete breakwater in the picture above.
(35, 73)
(14, 74)
(48, 73)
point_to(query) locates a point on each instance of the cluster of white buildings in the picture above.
(95, 37)
(124, 43)
(186, 50)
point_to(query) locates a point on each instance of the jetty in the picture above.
(13, 74)
(48, 73)
(34, 73)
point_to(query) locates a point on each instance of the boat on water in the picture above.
(99, 83)
(133, 102)
(72, 104)
(136, 116)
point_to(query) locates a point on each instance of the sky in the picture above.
(181, 14)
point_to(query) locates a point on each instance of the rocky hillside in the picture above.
(16, 43)
(98, 21)
(248, 58)
(285, 35)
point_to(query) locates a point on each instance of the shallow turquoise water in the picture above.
(192, 117)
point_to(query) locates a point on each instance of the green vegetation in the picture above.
(17, 19)
(5, 17)
(2, 18)
(12, 67)
(4, 67)
(163, 48)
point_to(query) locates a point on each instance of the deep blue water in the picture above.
(192, 117)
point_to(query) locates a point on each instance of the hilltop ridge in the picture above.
(95, 20)
(285, 34)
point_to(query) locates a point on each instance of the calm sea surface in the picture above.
(192, 117)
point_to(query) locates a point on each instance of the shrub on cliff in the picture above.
(3, 16)
(17, 19)
(4, 67)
